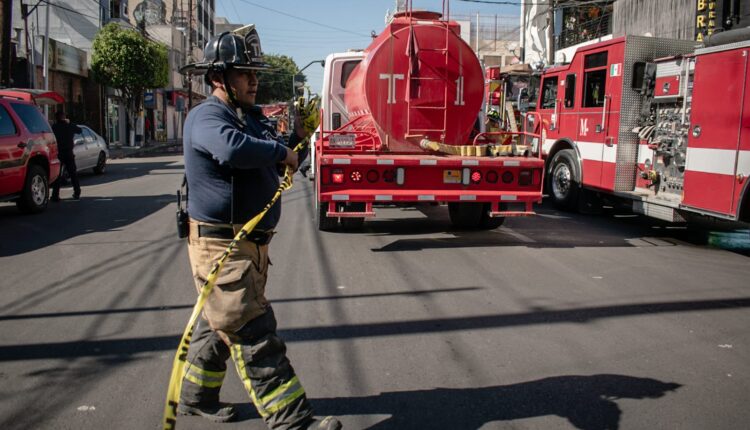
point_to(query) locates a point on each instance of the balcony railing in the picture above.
(574, 33)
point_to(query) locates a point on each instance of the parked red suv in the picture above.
(28, 155)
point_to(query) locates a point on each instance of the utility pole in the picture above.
(190, 52)
(30, 66)
(477, 34)
(524, 12)
(46, 56)
(6, 26)
(551, 33)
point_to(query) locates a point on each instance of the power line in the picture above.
(305, 20)
(556, 5)
(69, 10)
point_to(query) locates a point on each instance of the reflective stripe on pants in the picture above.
(262, 365)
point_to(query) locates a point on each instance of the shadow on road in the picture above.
(587, 402)
(129, 169)
(68, 219)
(124, 349)
(551, 229)
(415, 293)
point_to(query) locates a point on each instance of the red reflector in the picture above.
(325, 175)
(337, 176)
(373, 175)
(507, 177)
(356, 176)
(524, 178)
(476, 176)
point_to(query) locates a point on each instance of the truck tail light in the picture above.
(524, 178)
(337, 176)
(373, 175)
(507, 177)
(325, 175)
(356, 176)
(491, 177)
(476, 177)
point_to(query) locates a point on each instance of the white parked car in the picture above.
(90, 150)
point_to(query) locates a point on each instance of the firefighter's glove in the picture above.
(307, 118)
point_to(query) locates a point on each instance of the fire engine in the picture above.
(663, 124)
(278, 114)
(396, 129)
(505, 87)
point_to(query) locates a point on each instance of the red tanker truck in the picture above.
(399, 125)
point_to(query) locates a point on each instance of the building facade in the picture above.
(52, 50)
(49, 46)
(553, 30)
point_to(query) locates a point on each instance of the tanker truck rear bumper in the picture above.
(510, 185)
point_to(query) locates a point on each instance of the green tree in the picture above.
(125, 60)
(276, 84)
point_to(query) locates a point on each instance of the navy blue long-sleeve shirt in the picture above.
(231, 167)
(65, 135)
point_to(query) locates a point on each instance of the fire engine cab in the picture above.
(664, 124)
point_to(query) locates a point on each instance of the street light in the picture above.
(294, 87)
(294, 76)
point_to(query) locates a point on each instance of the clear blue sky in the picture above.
(308, 30)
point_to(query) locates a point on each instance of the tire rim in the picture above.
(561, 181)
(38, 190)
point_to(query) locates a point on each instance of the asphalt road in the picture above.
(560, 321)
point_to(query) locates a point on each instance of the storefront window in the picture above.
(113, 122)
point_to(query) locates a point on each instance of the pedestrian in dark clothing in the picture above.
(65, 134)
(232, 165)
(147, 125)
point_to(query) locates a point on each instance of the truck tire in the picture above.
(487, 222)
(353, 223)
(466, 215)
(322, 222)
(564, 180)
(35, 193)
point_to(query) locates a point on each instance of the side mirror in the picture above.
(644, 75)
(523, 100)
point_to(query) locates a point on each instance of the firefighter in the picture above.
(232, 165)
(493, 120)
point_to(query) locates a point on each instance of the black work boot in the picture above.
(327, 423)
(220, 413)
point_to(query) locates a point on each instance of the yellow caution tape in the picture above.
(169, 420)
(309, 113)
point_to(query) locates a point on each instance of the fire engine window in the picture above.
(347, 70)
(593, 95)
(570, 90)
(549, 92)
(595, 60)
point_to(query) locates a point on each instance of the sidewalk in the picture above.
(170, 147)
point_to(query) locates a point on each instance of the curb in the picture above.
(126, 152)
